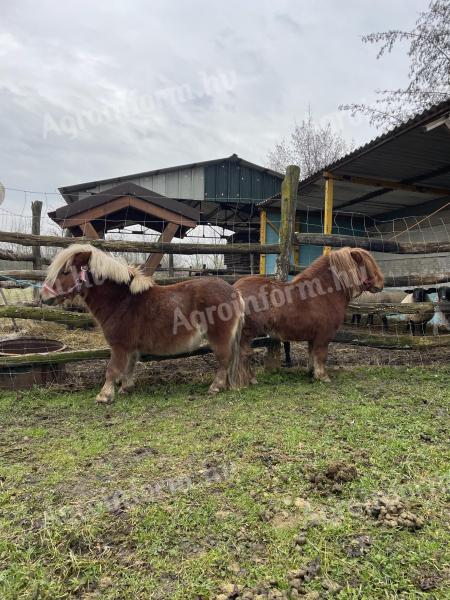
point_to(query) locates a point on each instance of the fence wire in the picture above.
(224, 222)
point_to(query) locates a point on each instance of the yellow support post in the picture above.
(262, 239)
(328, 212)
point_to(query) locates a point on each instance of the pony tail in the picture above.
(234, 378)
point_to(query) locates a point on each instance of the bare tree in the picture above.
(312, 146)
(429, 68)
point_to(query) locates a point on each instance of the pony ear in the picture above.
(408, 291)
(81, 259)
(432, 290)
(357, 256)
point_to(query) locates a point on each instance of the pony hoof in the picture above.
(126, 390)
(213, 389)
(101, 399)
(253, 381)
(324, 379)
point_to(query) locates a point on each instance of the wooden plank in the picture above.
(328, 212)
(153, 260)
(388, 183)
(23, 239)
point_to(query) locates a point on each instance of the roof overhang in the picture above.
(126, 204)
(403, 172)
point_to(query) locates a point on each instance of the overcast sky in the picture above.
(91, 90)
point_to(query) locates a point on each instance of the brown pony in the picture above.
(311, 307)
(138, 316)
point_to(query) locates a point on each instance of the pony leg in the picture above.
(310, 358)
(287, 354)
(127, 384)
(320, 354)
(220, 380)
(273, 356)
(116, 367)
(246, 368)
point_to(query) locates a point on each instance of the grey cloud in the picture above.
(136, 62)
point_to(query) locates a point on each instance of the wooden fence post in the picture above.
(36, 211)
(289, 189)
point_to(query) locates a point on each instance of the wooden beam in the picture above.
(68, 356)
(408, 281)
(390, 341)
(374, 244)
(388, 183)
(24, 239)
(328, 211)
(46, 314)
(385, 308)
(262, 239)
(20, 257)
(404, 281)
(339, 241)
(89, 231)
(153, 260)
(102, 212)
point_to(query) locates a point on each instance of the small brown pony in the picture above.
(309, 308)
(138, 316)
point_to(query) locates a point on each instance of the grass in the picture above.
(170, 493)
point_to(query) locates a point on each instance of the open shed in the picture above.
(397, 185)
(123, 205)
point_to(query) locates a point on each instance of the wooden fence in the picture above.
(288, 240)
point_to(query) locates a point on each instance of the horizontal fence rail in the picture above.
(399, 342)
(78, 319)
(374, 244)
(312, 239)
(24, 239)
(19, 278)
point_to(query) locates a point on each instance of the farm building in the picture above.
(223, 192)
(395, 187)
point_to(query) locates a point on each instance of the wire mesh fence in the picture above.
(224, 243)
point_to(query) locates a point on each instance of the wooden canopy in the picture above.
(123, 205)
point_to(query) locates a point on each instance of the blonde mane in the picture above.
(102, 266)
(349, 273)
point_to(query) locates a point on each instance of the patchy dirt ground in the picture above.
(85, 375)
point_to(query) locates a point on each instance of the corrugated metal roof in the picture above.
(69, 191)
(407, 154)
